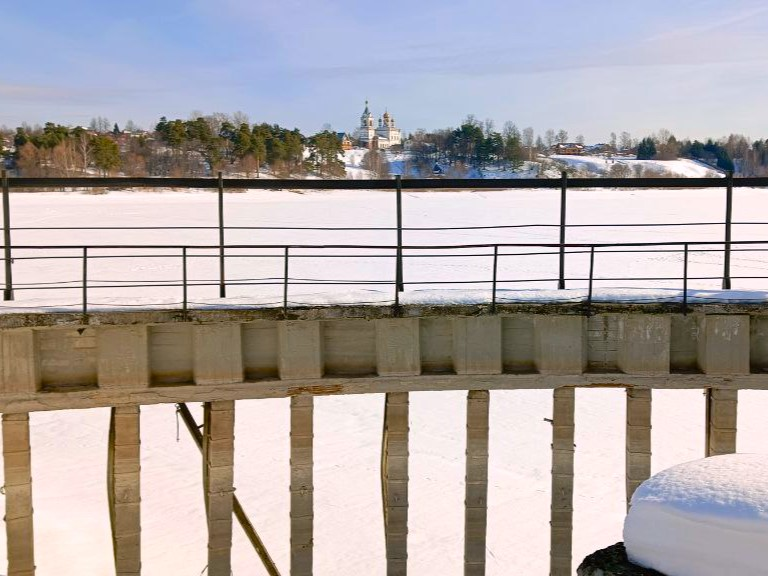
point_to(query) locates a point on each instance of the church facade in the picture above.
(383, 135)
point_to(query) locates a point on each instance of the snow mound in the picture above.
(601, 166)
(703, 518)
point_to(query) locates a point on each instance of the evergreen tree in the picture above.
(324, 151)
(106, 154)
(646, 150)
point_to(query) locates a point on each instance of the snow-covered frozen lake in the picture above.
(521, 277)
(69, 448)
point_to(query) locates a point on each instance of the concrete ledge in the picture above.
(50, 368)
(559, 344)
(397, 347)
(217, 353)
(300, 353)
(724, 344)
(21, 372)
(123, 356)
(477, 345)
(644, 344)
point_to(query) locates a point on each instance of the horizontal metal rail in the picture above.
(495, 280)
(385, 228)
(407, 184)
(385, 246)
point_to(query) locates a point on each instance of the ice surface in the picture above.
(703, 518)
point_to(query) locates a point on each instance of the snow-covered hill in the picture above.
(549, 167)
(602, 166)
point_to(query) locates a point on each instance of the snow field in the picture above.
(375, 209)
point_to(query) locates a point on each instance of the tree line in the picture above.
(200, 146)
(205, 144)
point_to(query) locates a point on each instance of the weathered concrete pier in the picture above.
(129, 359)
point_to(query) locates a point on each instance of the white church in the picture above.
(384, 135)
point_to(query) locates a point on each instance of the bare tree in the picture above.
(510, 130)
(100, 124)
(488, 127)
(376, 162)
(625, 141)
(619, 170)
(549, 138)
(239, 118)
(528, 141)
(562, 136)
(83, 148)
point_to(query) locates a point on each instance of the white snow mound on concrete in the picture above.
(703, 518)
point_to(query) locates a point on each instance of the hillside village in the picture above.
(376, 148)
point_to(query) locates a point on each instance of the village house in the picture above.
(568, 148)
(346, 141)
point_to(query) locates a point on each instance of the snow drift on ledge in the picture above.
(703, 518)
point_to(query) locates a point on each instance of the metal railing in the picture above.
(223, 252)
(389, 288)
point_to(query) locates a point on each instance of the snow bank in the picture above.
(601, 165)
(703, 518)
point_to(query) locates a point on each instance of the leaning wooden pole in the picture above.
(394, 482)
(242, 517)
(18, 495)
(561, 524)
(124, 489)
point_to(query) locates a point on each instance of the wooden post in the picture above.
(476, 500)
(638, 460)
(18, 495)
(722, 408)
(302, 489)
(395, 482)
(218, 476)
(561, 525)
(124, 489)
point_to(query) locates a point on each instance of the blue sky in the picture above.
(697, 68)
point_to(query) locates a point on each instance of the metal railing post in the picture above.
(685, 279)
(8, 291)
(285, 283)
(85, 281)
(495, 270)
(591, 277)
(728, 221)
(563, 195)
(399, 278)
(222, 284)
(184, 281)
